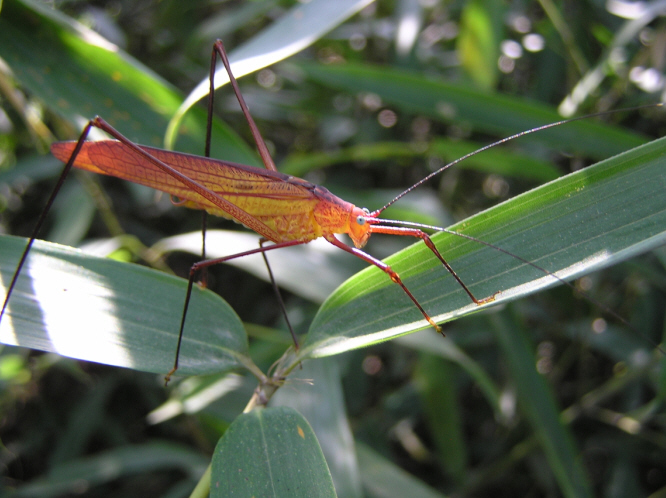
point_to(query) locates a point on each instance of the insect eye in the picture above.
(360, 220)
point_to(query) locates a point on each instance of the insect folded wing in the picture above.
(63, 151)
(268, 202)
(109, 157)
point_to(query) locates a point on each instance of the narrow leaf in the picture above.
(66, 478)
(478, 43)
(537, 401)
(381, 477)
(492, 113)
(582, 222)
(294, 31)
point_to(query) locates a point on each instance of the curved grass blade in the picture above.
(499, 161)
(588, 220)
(496, 114)
(294, 31)
(538, 403)
(328, 263)
(65, 477)
(381, 477)
(101, 310)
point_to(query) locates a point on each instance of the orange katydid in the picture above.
(285, 210)
(281, 208)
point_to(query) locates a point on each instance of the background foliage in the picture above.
(426, 418)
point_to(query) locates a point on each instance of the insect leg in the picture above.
(415, 232)
(45, 211)
(196, 267)
(389, 271)
(218, 48)
(278, 294)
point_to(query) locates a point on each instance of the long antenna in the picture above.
(504, 140)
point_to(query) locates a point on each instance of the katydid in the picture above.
(283, 209)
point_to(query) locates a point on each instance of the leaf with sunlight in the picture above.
(588, 220)
(101, 310)
(301, 26)
(328, 265)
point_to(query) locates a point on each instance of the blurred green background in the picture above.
(421, 417)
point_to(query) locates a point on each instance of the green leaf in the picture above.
(588, 220)
(270, 452)
(122, 314)
(537, 401)
(497, 161)
(443, 412)
(316, 392)
(478, 43)
(492, 113)
(383, 478)
(68, 477)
